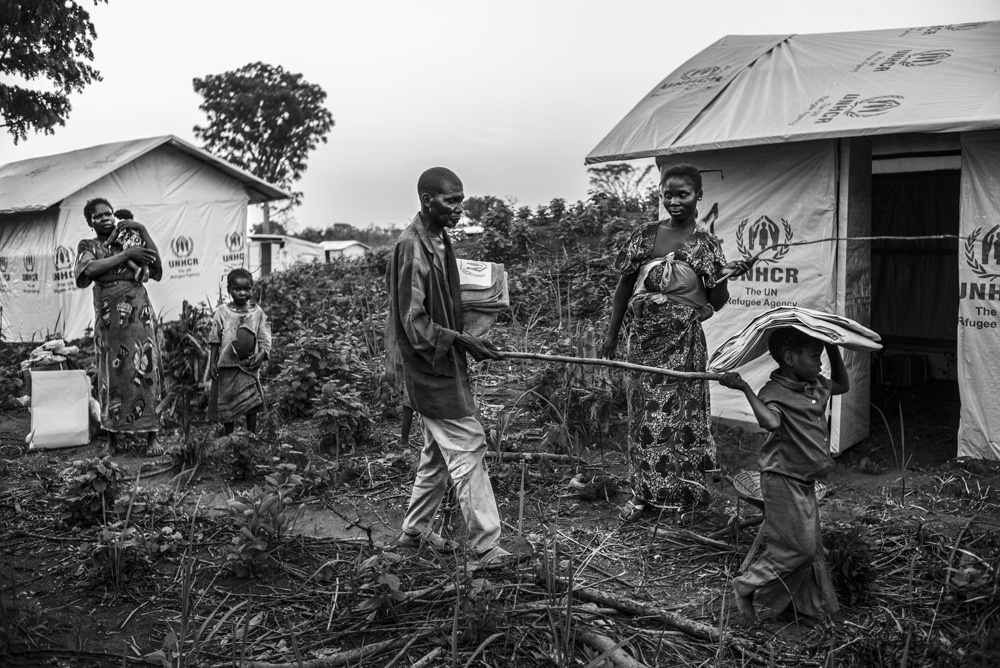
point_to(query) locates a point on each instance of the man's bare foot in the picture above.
(112, 446)
(744, 604)
(153, 447)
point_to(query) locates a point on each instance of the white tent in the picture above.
(832, 136)
(193, 203)
(345, 248)
(280, 252)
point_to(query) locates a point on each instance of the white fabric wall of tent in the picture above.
(194, 205)
(798, 138)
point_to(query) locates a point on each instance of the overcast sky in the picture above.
(511, 94)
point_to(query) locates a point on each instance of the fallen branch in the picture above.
(633, 607)
(597, 361)
(693, 537)
(429, 659)
(671, 619)
(745, 524)
(353, 656)
(609, 648)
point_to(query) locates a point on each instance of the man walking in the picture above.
(423, 331)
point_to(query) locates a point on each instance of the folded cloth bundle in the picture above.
(484, 294)
(751, 343)
(50, 352)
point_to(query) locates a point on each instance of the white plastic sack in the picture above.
(60, 415)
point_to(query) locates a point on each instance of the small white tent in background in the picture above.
(284, 251)
(193, 203)
(344, 248)
(832, 136)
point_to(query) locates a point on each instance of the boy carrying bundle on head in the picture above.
(791, 577)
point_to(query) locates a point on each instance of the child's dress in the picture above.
(791, 577)
(237, 390)
(129, 239)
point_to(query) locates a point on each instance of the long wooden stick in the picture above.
(692, 375)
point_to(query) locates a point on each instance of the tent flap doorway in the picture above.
(915, 283)
(914, 308)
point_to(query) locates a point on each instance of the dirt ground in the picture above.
(934, 514)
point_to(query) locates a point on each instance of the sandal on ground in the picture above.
(497, 558)
(436, 540)
(631, 511)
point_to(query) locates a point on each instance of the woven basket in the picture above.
(747, 484)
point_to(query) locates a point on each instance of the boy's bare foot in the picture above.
(112, 447)
(744, 604)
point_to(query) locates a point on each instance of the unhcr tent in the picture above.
(193, 204)
(833, 136)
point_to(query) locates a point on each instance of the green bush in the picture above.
(89, 490)
(850, 562)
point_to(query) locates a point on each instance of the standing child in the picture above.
(126, 237)
(240, 341)
(791, 577)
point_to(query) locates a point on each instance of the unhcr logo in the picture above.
(909, 58)
(182, 247)
(762, 234)
(29, 275)
(953, 26)
(62, 257)
(700, 73)
(873, 106)
(475, 269)
(965, 26)
(234, 241)
(851, 105)
(700, 77)
(767, 237)
(925, 58)
(981, 251)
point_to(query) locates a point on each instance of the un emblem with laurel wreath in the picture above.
(765, 232)
(990, 242)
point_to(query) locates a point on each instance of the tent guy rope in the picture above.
(700, 375)
(930, 237)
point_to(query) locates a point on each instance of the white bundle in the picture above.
(751, 343)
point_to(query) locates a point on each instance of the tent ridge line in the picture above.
(590, 160)
(725, 86)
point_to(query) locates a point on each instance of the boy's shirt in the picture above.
(800, 448)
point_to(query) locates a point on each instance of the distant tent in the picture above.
(832, 136)
(280, 252)
(194, 204)
(344, 248)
